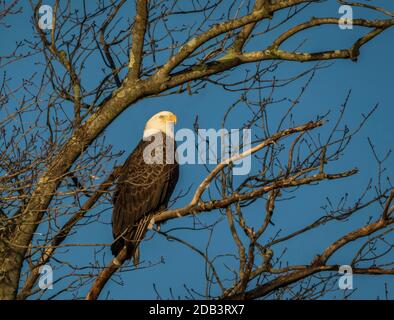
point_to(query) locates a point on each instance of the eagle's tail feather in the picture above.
(132, 250)
(132, 245)
(116, 246)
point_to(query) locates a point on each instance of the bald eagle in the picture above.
(144, 187)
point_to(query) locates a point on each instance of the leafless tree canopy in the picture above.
(102, 57)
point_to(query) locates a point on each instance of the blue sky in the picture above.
(371, 82)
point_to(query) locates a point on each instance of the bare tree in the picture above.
(57, 169)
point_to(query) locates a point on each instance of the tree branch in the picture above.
(138, 37)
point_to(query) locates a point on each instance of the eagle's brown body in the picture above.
(142, 191)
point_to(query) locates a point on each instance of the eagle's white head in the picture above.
(163, 121)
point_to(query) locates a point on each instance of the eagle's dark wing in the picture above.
(142, 190)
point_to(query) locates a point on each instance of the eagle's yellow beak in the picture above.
(172, 118)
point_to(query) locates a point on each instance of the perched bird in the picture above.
(145, 184)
